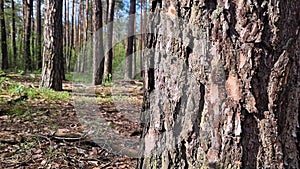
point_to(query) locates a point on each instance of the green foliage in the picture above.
(108, 80)
(16, 89)
(48, 94)
(4, 82)
(119, 61)
(103, 99)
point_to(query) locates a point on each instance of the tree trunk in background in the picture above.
(70, 55)
(134, 64)
(80, 23)
(129, 49)
(98, 54)
(66, 33)
(109, 46)
(85, 35)
(38, 39)
(4, 65)
(53, 46)
(27, 6)
(141, 40)
(13, 35)
(75, 26)
(222, 85)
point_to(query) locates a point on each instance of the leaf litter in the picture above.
(42, 133)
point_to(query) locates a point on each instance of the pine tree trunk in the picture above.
(222, 85)
(98, 54)
(75, 23)
(38, 30)
(27, 6)
(13, 35)
(4, 65)
(85, 35)
(109, 47)
(72, 24)
(129, 49)
(141, 40)
(53, 46)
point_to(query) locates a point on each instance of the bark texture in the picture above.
(222, 85)
(27, 7)
(98, 54)
(53, 46)
(130, 39)
(109, 47)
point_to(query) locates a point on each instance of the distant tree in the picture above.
(85, 35)
(130, 39)
(38, 29)
(53, 46)
(4, 65)
(72, 25)
(109, 47)
(98, 54)
(13, 35)
(27, 14)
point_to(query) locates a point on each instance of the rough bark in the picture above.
(27, 6)
(109, 47)
(4, 65)
(98, 54)
(53, 46)
(129, 49)
(222, 85)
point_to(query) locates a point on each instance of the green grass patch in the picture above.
(85, 78)
(11, 88)
(104, 99)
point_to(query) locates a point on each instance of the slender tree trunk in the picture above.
(222, 85)
(80, 23)
(129, 50)
(98, 54)
(13, 35)
(141, 41)
(66, 29)
(4, 65)
(53, 46)
(134, 64)
(109, 46)
(27, 6)
(75, 25)
(71, 36)
(85, 35)
(38, 30)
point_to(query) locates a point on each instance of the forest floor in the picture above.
(81, 127)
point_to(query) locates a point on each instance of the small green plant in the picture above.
(21, 72)
(4, 82)
(16, 89)
(108, 80)
(54, 127)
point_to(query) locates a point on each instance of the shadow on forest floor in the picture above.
(44, 130)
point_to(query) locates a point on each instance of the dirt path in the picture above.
(96, 128)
